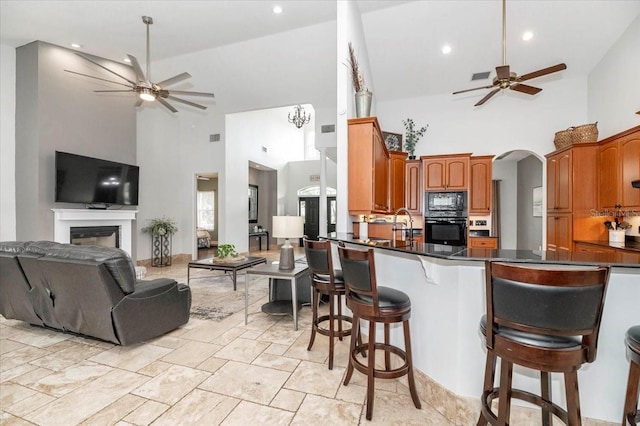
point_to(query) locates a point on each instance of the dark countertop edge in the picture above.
(629, 245)
(516, 256)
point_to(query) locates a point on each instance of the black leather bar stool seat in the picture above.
(631, 412)
(325, 280)
(542, 319)
(375, 304)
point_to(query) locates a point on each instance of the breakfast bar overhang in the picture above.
(447, 285)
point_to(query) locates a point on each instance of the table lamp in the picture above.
(287, 227)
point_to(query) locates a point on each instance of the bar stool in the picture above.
(544, 319)
(375, 304)
(325, 281)
(631, 412)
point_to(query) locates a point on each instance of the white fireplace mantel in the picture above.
(65, 219)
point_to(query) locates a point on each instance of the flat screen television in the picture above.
(88, 180)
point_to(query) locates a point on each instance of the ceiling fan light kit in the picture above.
(505, 78)
(143, 87)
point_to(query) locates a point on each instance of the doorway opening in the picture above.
(206, 220)
(309, 208)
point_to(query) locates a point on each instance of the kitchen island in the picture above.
(446, 287)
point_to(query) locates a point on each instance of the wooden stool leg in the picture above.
(631, 400)
(489, 378)
(355, 340)
(545, 393)
(410, 378)
(331, 330)
(314, 321)
(339, 317)
(371, 366)
(573, 398)
(504, 394)
(387, 353)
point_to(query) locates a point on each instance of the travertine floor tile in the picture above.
(39, 337)
(248, 382)
(248, 413)
(115, 411)
(67, 355)
(146, 413)
(288, 400)
(316, 410)
(311, 377)
(393, 409)
(87, 399)
(191, 353)
(199, 407)
(7, 345)
(65, 381)
(170, 386)
(21, 356)
(131, 358)
(277, 362)
(243, 350)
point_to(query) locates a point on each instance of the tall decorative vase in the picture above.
(363, 103)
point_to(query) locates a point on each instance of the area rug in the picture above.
(213, 298)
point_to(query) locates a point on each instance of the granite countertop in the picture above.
(481, 254)
(631, 243)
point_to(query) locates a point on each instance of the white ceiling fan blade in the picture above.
(173, 80)
(182, 92)
(139, 102)
(98, 78)
(114, 91)
(166, 104)
(186, 102)
(105, 68)
(136, 67)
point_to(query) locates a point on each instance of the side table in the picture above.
(272, 271)
(215, 265)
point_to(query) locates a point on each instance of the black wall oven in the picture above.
(445, 219)
(452, 231)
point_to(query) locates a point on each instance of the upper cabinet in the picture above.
(413, 186)
(368, 168)
(480, 184)
(397, 166)
(619, 165)
(446, 173)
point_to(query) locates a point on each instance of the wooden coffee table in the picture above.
(214, 264)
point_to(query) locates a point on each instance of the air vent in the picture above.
(328, 128)
(264, 149)
(480, 75)
(214, 138)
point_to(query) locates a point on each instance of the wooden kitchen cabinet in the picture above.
(480, 175)
(559, 232)
(368, 167)
(571, 195)
(414, 192)
(446, 173)
(397, 169)
(483, 242)
(619, 165)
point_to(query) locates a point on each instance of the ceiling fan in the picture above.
(505, 79)
(143, 87)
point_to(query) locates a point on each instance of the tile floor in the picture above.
(205, 372)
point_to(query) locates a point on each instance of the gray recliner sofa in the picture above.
(87, 290)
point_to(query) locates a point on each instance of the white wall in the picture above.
(507, 173)
(614, 85)
(299, 176)
(7, 143)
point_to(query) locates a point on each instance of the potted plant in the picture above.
(412, 136)
(226, 250)
(161, 231)
(363, 95)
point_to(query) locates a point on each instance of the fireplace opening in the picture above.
(104, 236)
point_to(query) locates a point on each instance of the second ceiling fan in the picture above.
(505, 79)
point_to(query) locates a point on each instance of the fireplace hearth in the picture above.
(104, 236)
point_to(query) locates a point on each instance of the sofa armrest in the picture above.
(154, 308)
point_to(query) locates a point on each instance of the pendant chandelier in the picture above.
(300, 117)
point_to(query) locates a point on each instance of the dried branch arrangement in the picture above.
(356, 76)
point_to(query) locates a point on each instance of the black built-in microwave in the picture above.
(446, 204)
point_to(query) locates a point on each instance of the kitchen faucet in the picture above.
(395, 226)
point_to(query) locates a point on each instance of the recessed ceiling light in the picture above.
(75, 45)
(446, 49)
(277, 10)
(528, 35)
(127, 60)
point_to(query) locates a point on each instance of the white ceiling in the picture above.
(403, 38)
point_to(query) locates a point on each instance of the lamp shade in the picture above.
(288, 227)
